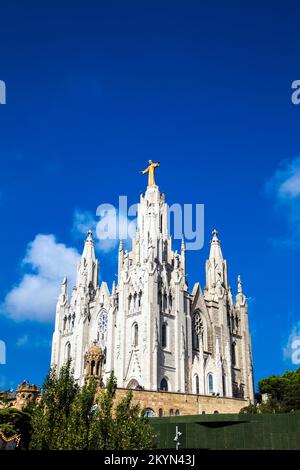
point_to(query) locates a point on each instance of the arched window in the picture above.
(160, 300)
(149, 413)
(233, 354)
(210, 383)
(165, 302)
(135, 335)
(140, 299)
(65, 324)
(92, 367)
(197, 389)
(171, 412)
(133, 384)
(177, 413)
(135, 301)
(164, 385)
(197, 325)
(130, 302)
(170, 303)
(164, 335)
(160, 412)
(67, 351)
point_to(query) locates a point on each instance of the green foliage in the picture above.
(13, 421)
(67, 417)
(283, 392)
(250, 409)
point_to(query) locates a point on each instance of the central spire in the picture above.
(150, 169)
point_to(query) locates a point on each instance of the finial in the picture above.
(182, 243)
(240, 287)
(215, 238)
(89, 235)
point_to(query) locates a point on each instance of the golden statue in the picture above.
(150, 170)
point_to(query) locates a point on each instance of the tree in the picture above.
(51, 414)
(283, 392)
(14, 421)
(67, 417)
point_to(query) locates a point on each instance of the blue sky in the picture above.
(94, 91)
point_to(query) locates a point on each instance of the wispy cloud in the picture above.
(108, 229)
(33, 341)
(284, 188)
(291, 350)
(46, 263)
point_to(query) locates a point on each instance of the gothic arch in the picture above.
(196, 384)
(164, 334)
(67, 351)
(164, 385)
(101, 325)
(135, 335)
(201, 325)
(133, 384)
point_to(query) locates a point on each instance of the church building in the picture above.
(150, 329)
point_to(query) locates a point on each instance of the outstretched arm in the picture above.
(156, 164)
(145, 171)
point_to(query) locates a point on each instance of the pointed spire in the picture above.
(216, 267)
(88, 266)
(113, 290)
(182, 243)
(120, 260)
(240, 297)
(63, 289)
(215, 247)
(89, 251)
(240, 286)
(182, 255)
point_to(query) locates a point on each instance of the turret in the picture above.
(120, 260)
(216, 267)
(87, 273)
(182, 255)
(240, 298)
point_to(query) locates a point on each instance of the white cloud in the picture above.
(33, 341)
(108, 230)
(46, 263)
(284, 188)
(83, 222)
(291, 351)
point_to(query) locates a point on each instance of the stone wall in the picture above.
(183, 404)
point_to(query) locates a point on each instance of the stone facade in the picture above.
(180, 404)
(150, 329)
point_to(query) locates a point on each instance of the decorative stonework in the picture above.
(150, 329)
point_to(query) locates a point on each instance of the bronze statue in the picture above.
(150, 170)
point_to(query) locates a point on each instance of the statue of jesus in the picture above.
(150, 170)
